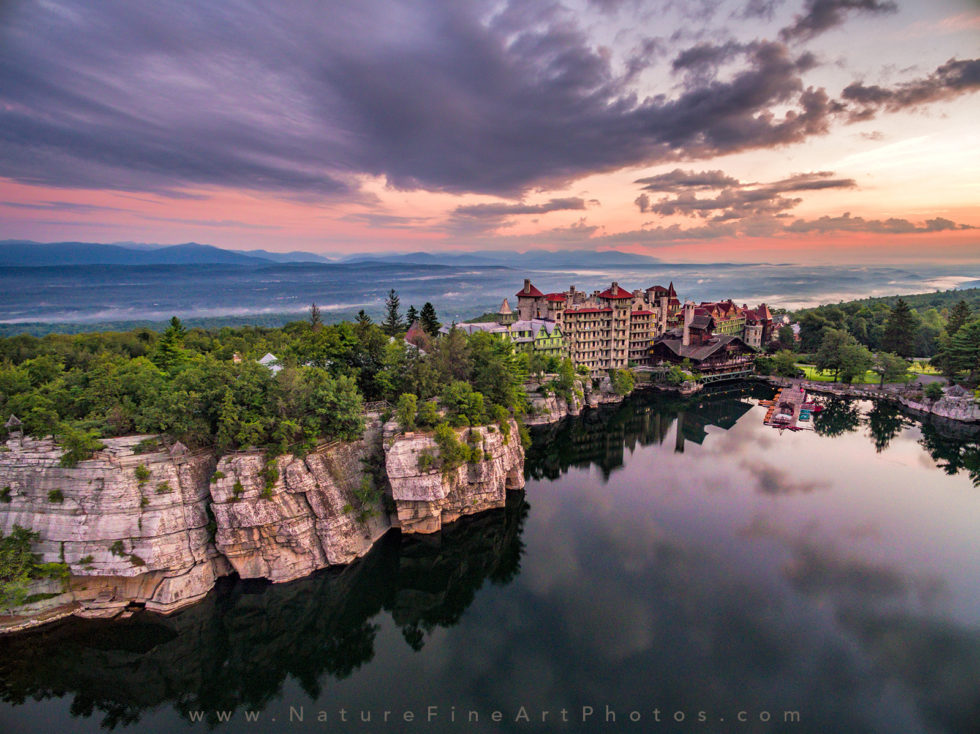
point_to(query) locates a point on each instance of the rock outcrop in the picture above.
(131, 527)
(157, 528)
(426, 499)
(308, 518)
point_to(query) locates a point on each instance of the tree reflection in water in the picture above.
(237, 647)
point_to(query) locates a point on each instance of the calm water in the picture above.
(667, 556)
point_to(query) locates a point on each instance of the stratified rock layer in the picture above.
(131, 527)
(427, 499)
(309, 518)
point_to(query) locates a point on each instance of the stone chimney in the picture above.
(664, 305)
(527, 286)
(688, 318)
(615, 288)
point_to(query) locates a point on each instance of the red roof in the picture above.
(555, 296)
(621, 293)
(587, 310)
(532, 293)
(642, 313)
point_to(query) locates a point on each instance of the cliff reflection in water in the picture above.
(236, 648)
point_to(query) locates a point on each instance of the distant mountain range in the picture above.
(24, 253)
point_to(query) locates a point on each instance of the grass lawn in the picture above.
(812, 373)
(923, 368)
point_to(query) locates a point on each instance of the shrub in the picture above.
(164, 488)
(78, 444)
(5, 494)
(142, 473)
(216, 476)
(56, 495)
(86, 560)
(426, 460)
(238, 490)
(117, 548)
(136, 560)
(144, 501)
(270, 475)
(933, 391)
(407, 408)
(525, 435)
(622, 381)
(428, 414)
(146, 446)
(452, 453)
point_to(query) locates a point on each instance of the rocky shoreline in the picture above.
(952, 408)
(156, 528)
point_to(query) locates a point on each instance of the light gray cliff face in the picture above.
(154, 528)
(131, 539)
(426, 500)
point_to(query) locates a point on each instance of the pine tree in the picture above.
(411, 316)
(957, 317)
(900, 328)
(169, 349)
(363, 319)
(393, 321)
(315, 322)
(428, 319)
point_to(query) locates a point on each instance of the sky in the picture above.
(811, 131)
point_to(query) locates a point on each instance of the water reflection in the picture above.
(680, 555)
(237, 647)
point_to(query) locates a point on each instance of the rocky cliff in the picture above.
(426, 499)
(131, 527)
(157, 528)
(308, 518)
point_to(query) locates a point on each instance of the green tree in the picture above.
(933, 391)
(411, 316)
(392, 323)
(784, 363)
(169, 351)
(900, 330)
(855, 360)
(315, 321)
(406, 411)
(890, 367)
(964, 350)
(828, 356)
(17, 566)
(958, 316)
(429, 320)
(78, 444)
(786, 337)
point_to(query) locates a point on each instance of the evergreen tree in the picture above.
(900, 330)
(393, 321)
(315, 322)
(964, 350)
(411, 316)
(363, 319)
(957, 317)
(170, 347)
(429, 320)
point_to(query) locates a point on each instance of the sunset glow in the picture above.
(805, 131)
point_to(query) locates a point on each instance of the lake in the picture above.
(668, 560)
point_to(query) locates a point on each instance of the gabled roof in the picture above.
(618, 293)
(529, 291)
(556, 297)
(13, 422)
(699, 352)
(702, 322)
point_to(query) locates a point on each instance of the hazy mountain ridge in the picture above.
(25, 253)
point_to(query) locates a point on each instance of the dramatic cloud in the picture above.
(736, 200)
(475, 218)
(948, 81)
(847, 223)
(822, 15)
(458, 97)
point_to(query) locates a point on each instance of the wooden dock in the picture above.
(784, 409)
